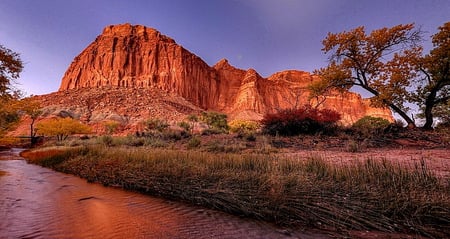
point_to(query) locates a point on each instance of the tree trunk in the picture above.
(408, 119)
(428, 115)
(395, 108)
(32, 134)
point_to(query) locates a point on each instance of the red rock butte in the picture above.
(137, 57)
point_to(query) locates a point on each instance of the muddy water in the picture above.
(36, 202)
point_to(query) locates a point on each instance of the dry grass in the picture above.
(367, 195)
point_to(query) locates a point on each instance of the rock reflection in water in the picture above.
(36, 202)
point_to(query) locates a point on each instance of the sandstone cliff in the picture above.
(138, 57)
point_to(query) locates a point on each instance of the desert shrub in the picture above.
(185, 126)
(155, 125)
(106, 140)
(130, 140)
(444, 130)
(368, 126)
(306, 120)
(175, 134)
(194, 142)
(215, 146)
(214, 120)
(212, 131)
(155, 142)
(395, 128)
(243, 128)
(111, 126)
(218, 146)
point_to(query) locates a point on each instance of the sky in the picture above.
(266, 35)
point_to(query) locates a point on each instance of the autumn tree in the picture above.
(8, 116)
(434, 91)
(382, 63)
(32, 108)
(62, 128)
(10, 68)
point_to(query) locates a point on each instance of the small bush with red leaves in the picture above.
(306, 120)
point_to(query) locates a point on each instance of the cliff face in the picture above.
(126, 56)
(140, 57)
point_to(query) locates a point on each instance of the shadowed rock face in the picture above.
(127, 56)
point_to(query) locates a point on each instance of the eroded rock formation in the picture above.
(138, 57)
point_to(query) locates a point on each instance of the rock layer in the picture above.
(128, 56)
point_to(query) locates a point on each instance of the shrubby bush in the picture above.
(194, 142)
(444, 129)
(216, 121)
(243, 126)
(306, 120)
(368, 126)
(111, 126)
(155, 124)
(185, 126)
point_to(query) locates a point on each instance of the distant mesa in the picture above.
(150, 75)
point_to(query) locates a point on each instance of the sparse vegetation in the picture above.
(185, 126)
(155, 125)
(111, 126)
(217, 122)
(194, 142)
(367, 195)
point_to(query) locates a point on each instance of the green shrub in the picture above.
(106, 140)
(185, 126)
(244, 128)
(216, 121)
(194, 142)
(369, 126)
(158, 125)
(212, 131)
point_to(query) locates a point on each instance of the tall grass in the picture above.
(368, 195)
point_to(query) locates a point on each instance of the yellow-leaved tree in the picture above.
(433, 94)
(62, 128)
(10, 67)
(383, 63)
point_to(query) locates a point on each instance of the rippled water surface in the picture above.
(36, 202)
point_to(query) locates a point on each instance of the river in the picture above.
(36, 202)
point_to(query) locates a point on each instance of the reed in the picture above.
(367, 195)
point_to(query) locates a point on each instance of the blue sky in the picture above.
(266, 35)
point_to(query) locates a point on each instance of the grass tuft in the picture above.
(367, 195)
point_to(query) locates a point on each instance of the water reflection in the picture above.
(36, 202)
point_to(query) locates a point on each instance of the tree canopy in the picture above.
(433, 94)
(383, 63)
(10, 68)
(62, 128)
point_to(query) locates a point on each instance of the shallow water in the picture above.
(37, 202)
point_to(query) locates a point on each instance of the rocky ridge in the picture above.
(130, 73)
